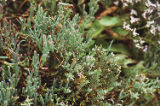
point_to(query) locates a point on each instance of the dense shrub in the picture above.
(59, 55)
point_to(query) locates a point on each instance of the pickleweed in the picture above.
(80, 53)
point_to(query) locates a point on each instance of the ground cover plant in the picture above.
(79, 52)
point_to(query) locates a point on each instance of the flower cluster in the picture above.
(140, 45)
(150, 16)
(126, 3)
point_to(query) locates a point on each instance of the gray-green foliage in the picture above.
(7, 88)
(74, 56)
(152, 60)
(78, 72)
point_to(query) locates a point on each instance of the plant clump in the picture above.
(74, 53)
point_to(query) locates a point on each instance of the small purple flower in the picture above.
(18, 55)
(72, 79)
(44, 68)
(62, 103)
(32, 70)
(0, 68)
(80, 74)
(73, 53)
(7, 83)
(49, 42)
